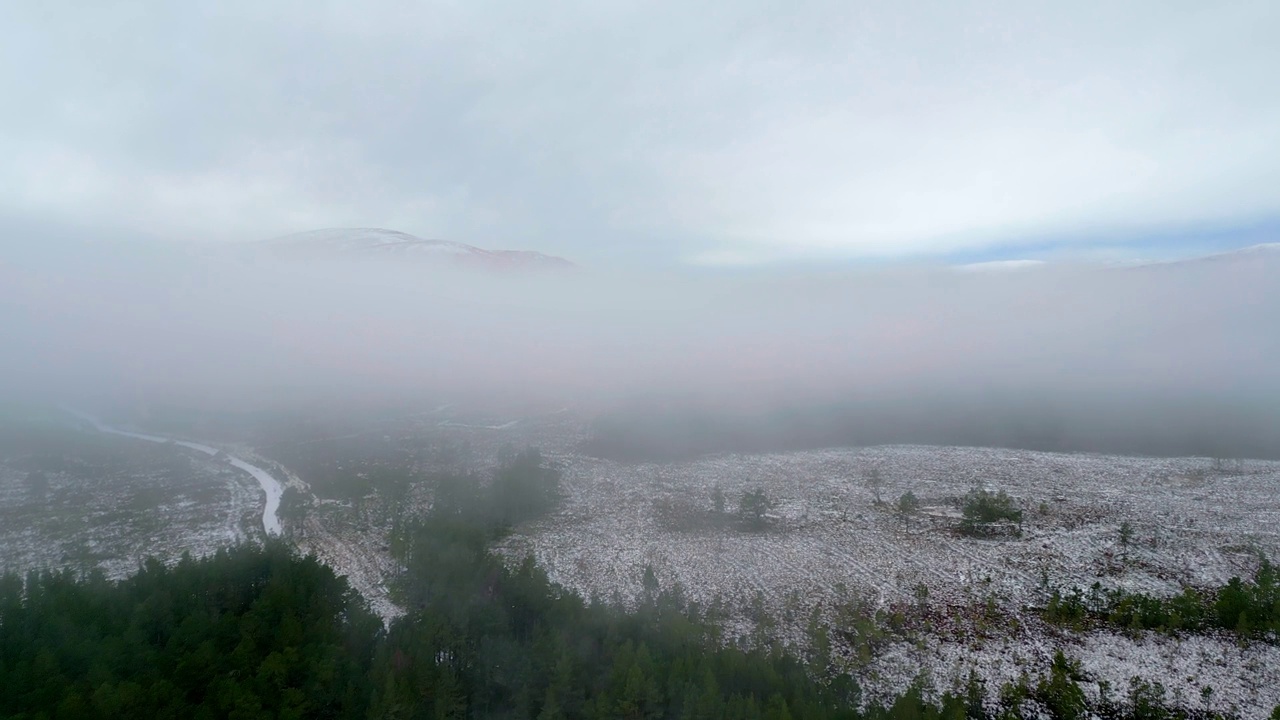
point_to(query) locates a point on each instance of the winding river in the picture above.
(270, 486)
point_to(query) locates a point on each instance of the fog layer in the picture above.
(1162, 358)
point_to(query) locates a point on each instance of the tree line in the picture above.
(1248, 608)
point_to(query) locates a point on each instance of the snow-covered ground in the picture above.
(273, 490)
(1191, 524)
(92, 500)
(1194, 521)
(271, 487)
(829, 547)
(1244, 679)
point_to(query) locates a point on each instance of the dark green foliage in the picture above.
(986, 512)
(752, 509)
(717, 500)
(1059, 692)
(487, 640)
(681, 514)
(1250, 609)
(245, 633)
(860, 626)
(1126, 533)
(908, 503)
(1147, 701)
(293, 506)
(523, 488)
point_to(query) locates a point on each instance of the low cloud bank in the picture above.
(1166, 358)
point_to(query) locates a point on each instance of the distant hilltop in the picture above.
(381, 243)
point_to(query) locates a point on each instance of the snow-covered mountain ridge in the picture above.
(382, 243)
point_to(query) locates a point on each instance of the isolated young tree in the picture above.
(753, 506)
(649, 585)
(874, 480)
(718, 499)
(921, 594)
(1060, 692)
(908, 503)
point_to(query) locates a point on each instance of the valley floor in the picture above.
(830, 546)
(833, 548)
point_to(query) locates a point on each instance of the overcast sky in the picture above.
(651, 132)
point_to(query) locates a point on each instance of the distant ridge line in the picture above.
(384, 242)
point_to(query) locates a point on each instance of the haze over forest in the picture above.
(1167, 358)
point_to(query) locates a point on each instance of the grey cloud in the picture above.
(624, 132)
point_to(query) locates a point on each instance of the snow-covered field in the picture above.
(1194, 521)
(95, 500)
(271, 487)
(970, 605)
(1191, 523)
